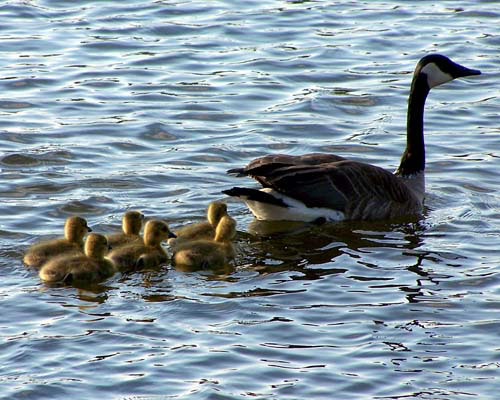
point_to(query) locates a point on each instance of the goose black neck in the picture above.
(413, 159)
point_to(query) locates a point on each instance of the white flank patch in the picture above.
(416, 183)
(297, 211)
(435, 76)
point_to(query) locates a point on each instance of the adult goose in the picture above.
(329, 187)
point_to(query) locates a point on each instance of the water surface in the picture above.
(118, 105)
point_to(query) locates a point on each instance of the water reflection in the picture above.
(309, 244)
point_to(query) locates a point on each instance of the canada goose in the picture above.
(143, 255)
(329, 187)
(75, 229)
(81, 268)
(205, 253)
(201, 230)
(131, 226)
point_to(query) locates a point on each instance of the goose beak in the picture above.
(172, 235)
(463, 71)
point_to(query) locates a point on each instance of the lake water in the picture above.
(107, 106)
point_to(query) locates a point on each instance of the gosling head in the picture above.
(132, 222)
(216, 210)
(96, 245)
(156, 231)
(226, 229)
(75, 229)
(438, 69)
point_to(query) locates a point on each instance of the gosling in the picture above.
(203, 253)
(87, 268)
(131, 226)
(201, 230)
(149, 254)
(75, 229)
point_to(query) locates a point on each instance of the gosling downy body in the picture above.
(131, 226)
(329, 187)
(90, 267)
(201, 230)
(202, 254)
(75, 229)
(149, 254)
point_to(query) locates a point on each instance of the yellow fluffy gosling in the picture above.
(147, 255)
(204, 253)
(81, 268)
(131, 226)
(75, 229)
(201, 230)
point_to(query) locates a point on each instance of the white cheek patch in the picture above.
(435, 76)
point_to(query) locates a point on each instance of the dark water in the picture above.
(106, 106)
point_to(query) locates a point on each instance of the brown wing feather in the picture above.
(264, 166)
(288, 160)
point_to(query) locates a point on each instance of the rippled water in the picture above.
(107, 106)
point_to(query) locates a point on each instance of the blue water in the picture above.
(106, 106)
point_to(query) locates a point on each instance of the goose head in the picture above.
(96, 245)
(75, 229)
(226, 229)
(438, 69)
(216, 210)
(156, 231)
(132, 222)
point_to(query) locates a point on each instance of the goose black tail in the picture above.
(255, 195)
(239, 172)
